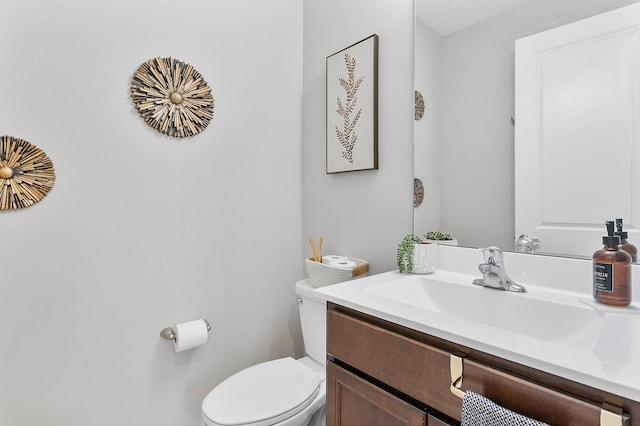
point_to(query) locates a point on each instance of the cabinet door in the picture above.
(352, 401)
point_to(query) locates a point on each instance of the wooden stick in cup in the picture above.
(313, 249)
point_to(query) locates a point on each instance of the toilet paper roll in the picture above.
(190, 335)
(341, 262)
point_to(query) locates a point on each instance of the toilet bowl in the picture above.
(282, 392)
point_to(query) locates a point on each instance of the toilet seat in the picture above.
(262, 395)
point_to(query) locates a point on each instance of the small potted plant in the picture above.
(438, 237)
(416, 255)
(404, 255)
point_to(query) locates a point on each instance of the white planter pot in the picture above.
(425, 258)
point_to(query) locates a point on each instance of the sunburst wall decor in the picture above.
(26, 173)
(419, 105)
(172, 97)
(418, 192)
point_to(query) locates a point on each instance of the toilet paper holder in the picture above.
(170, 334)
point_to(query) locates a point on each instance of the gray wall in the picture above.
(427, 132)
(142, 230)
(365, 213)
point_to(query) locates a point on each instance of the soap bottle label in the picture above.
(603, 276)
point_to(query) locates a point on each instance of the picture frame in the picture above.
(352, 108)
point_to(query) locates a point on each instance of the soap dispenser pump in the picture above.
(624, 244)
(612, 271)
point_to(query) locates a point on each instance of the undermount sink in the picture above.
(567, 321)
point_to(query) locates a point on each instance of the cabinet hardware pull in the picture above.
(456, 367)
(611, 415)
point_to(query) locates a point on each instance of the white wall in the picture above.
(142, 230)
(365, 213)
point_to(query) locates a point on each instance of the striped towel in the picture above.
(480, 411)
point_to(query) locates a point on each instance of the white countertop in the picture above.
(603, 353)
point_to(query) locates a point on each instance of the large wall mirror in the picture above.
(464, 141)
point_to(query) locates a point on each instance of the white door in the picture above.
(577, 123)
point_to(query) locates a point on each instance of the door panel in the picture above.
(577, 117)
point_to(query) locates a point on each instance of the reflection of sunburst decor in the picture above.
(172, 97)
(26, 173)
(418, 192)
(419, 107)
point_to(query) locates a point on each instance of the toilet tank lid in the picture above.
(305, 289)
(262, 394)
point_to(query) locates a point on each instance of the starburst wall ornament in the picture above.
(172, 97)
(26, 173)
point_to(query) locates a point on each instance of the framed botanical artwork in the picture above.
(352, 107)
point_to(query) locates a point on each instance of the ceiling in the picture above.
(449, 16)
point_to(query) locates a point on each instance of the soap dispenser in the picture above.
(612, 271)
(624, 244)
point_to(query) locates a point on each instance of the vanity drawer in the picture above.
(434, 421)
(422, 372)
(413, 368)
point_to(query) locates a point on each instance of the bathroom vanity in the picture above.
(395, 343)
(382, 373)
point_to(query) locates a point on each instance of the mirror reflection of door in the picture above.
(464, 144)
(577, 121)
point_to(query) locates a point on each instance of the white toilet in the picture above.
(283, 392)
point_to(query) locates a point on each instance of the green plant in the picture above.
(437, 235)
(404, 255)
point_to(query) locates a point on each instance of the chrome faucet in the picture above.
(494, 273)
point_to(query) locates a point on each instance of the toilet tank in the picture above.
(313, 314)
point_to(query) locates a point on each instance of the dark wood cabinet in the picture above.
(355, 401)
(373, 362)
(434, 421)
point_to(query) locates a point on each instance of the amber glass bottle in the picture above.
(612, 272)
(624, 244)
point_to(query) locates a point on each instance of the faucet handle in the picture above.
(492, 255)
(527, 243)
